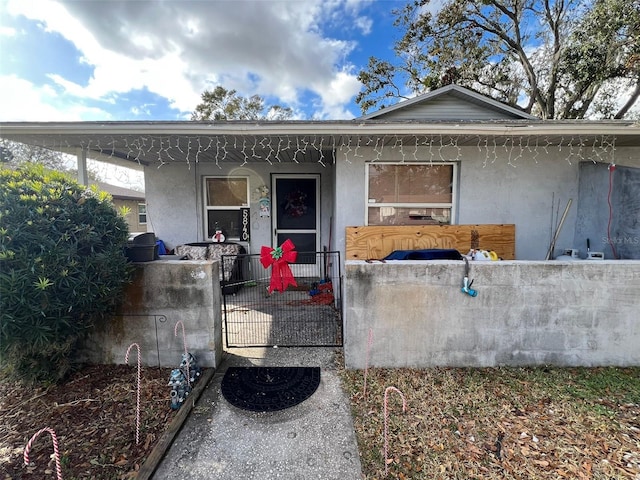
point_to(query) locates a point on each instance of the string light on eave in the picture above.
(411, 148)
(346, 149)
(321, 152)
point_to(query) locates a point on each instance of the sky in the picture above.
(105, 60)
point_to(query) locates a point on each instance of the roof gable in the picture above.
(452, 103)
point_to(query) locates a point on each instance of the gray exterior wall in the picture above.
(530, 191)
(172, 204)
(526, 313)
(494, 190)
(176, 209)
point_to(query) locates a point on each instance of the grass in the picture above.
(500, 423)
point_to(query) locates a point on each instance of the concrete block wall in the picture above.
(583, 313)
(162, 293)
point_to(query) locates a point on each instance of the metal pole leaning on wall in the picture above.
(555, 236)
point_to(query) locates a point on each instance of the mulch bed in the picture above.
(93, 415)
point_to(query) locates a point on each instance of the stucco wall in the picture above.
(492, 193)
(526, 313)
(175, 205)
(529, 191)
(529, 188)
(161, 294)
(172, 208)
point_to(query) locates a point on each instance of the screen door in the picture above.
(297, 214)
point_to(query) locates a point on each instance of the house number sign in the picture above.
(244, 233)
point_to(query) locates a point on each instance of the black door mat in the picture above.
(268, 389)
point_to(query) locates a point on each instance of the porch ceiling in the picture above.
(147, 143)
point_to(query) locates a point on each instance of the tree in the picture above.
(13, 154)
(223, 104)
(555, 58)
(62, 268)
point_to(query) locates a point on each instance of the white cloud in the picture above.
(24, 101)
(364, 24)
(141, 110)
(434, 7)
(178, 49)
(336, 95)
(7, 31)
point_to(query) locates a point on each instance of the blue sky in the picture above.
(85, 60)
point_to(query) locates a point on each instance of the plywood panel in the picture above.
(363, 243)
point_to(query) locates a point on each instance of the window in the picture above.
(142, 213)
(224, 198)
(410, 193)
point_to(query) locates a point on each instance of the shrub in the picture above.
(62, 268)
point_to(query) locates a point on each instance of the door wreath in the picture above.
(295, 205)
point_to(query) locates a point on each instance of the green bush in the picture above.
(62, 268)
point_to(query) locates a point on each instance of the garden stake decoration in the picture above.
(180, 387)
(126, 360)
(182, 378)
(386, 422)
(56, 453)
(366, 364)
(279, 259)
(184, 342)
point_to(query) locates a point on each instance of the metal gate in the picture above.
(307, 315)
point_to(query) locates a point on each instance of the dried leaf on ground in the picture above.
(501, 423)
(94, 417)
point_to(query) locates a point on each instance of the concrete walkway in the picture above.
(312, 440)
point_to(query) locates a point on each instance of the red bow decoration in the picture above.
(279, 259)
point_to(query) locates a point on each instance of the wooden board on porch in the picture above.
(376, 242)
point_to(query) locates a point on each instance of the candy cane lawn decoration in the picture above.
(386, 415)
(126, 360)
(184, 342)
(56, 453)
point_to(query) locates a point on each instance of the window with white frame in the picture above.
(142, 213)
(224, 199)
(410, 193)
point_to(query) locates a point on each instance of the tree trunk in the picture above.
(632, 99)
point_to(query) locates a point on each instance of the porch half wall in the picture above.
(163, 293)
(582, 313)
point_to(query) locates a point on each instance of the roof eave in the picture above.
(10, 130)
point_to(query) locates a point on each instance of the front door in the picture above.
(296, 202)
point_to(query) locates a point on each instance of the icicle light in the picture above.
(326, 149)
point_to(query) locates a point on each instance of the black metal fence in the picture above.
(309, 314)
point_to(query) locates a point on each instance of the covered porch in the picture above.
(507, 170)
